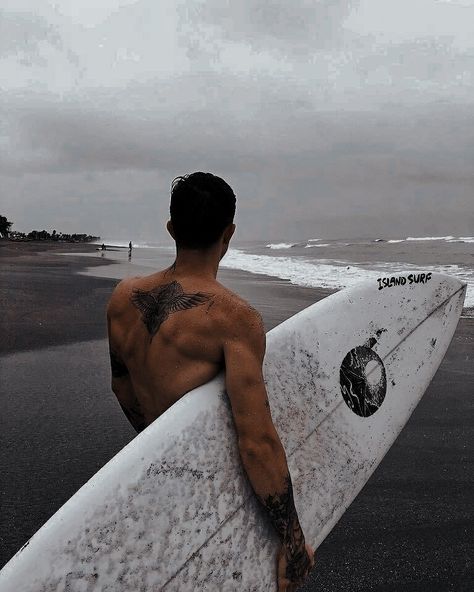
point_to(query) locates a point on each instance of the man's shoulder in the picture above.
(121, 295)
(238, 315)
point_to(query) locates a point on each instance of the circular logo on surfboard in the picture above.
(363, 381)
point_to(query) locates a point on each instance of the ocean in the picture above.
(336, 263)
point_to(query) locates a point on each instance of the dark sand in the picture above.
(412, 526)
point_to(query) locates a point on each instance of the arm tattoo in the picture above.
(282, 512)
(157, 304)
(118, 367)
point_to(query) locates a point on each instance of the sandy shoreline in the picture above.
(412, 525)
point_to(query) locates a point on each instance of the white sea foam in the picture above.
(396, 240)
(465, 239)
(448, 239)
(429, 238)
(318, 245)
(281, 245)
(314, 240)
(299, 271)
(334, 274)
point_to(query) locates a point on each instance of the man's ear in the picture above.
(169, 227)
(228, 233)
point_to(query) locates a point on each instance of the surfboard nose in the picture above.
(455, 281)
(453, 286)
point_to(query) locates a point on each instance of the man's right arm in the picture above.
(262, 453)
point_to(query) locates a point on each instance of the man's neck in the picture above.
(202, 263)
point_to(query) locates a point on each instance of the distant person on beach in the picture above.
(130, 246)
(103, 247)
(182, 317)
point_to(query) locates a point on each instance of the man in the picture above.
(174, 330)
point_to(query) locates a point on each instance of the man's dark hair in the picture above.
(201, 207)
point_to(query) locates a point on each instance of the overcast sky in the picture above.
(330, 118)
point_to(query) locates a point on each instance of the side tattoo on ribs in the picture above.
(157, 304)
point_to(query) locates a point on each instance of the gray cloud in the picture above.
(306, 172)
(35, 50)
(424, 61)
(297, 27)
(21, 34)
(78, 136)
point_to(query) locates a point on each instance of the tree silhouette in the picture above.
(5, 226)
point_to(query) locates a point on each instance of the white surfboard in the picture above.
(173, 510)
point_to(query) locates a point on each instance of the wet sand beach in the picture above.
(412, 526)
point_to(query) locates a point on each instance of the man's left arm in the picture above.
(123, 388)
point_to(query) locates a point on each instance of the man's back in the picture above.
(168, 331)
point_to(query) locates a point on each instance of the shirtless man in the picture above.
(174, 330)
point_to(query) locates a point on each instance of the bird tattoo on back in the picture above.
(157, 304)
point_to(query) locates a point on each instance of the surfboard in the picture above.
(174, 511)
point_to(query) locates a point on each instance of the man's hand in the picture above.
(292, 571)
